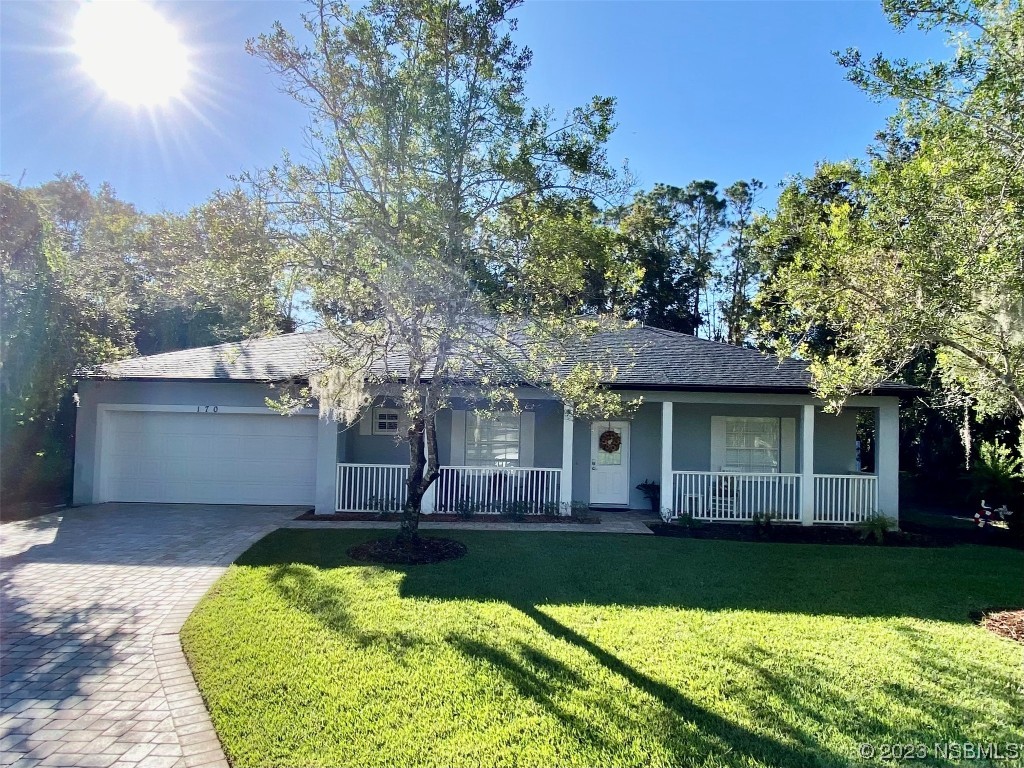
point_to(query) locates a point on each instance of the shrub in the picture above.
(652, 492)
(687, 520)
(763, 524)
(998, 479)
(874, 528)
(515, 510)
(579, 510)
(465, 508)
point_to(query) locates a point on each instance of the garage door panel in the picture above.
(175, 457)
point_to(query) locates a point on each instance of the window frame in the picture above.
(385, 410)
(469, 443)
(753, 451)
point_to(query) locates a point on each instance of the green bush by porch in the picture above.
(570, 649)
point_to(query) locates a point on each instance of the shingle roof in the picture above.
(275, 358)
(644, 357)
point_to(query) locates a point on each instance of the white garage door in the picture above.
(222, 458)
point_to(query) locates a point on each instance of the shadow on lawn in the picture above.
(601, 570)
(569, 569)
(537, 676)
(303, 588)
(714, 732)
(923, 705)
(687, 730)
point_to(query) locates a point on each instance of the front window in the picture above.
(751, 445)
(492, 440)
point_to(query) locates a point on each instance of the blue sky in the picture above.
(720, 90)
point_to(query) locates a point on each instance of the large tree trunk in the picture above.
(409, 530)
(423, 467)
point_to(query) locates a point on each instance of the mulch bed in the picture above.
(422, 551)
(790, 534)
(395, 517)
(1008, 624)
(989, 536)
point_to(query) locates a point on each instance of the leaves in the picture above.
(921, 248)
(85, 279)
(438, 218)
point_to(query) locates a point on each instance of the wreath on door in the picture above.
(610, 441)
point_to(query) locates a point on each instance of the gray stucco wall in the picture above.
(644, 454)
(358, 448)
(645, 451)
(835, 442)
(834, 439)
(373, 449)
(691, 430)
(581, 461)
(547, 450)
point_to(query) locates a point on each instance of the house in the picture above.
(728, 432)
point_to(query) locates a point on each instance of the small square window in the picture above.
(385, 421)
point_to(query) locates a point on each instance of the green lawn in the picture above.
(552, 649)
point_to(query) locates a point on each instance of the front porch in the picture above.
(715, 457)
(710, 496)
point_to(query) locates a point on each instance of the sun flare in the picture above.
(131, 51)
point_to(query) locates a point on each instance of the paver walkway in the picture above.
(91, 602)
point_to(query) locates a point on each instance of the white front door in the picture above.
(609, 463)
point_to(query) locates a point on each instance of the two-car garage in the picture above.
(205, 455)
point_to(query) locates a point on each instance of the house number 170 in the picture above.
(206, 409)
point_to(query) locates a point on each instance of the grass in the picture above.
(545, 649)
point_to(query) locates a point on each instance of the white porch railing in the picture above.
(496, 490)
(371, 487)
(469, 490)
(844, 498)
(722, 496)
(736, 496)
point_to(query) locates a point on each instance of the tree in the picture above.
(212, 275)
(670, 234)
(649, 230)
(64, 303)
(739, 270)
(928, 254)
(85, 278)
(781, 243)
(702, 219)
(421, 139)
(692, 248)
(594, 272)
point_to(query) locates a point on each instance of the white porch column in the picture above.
(565, 484)
(887, 459)
(807, 466)
(428, 503)
(667, 496)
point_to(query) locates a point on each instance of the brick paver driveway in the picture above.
(91, 601)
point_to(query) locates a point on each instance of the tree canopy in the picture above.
(85, 278)
(920, 248)
(430, 177)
